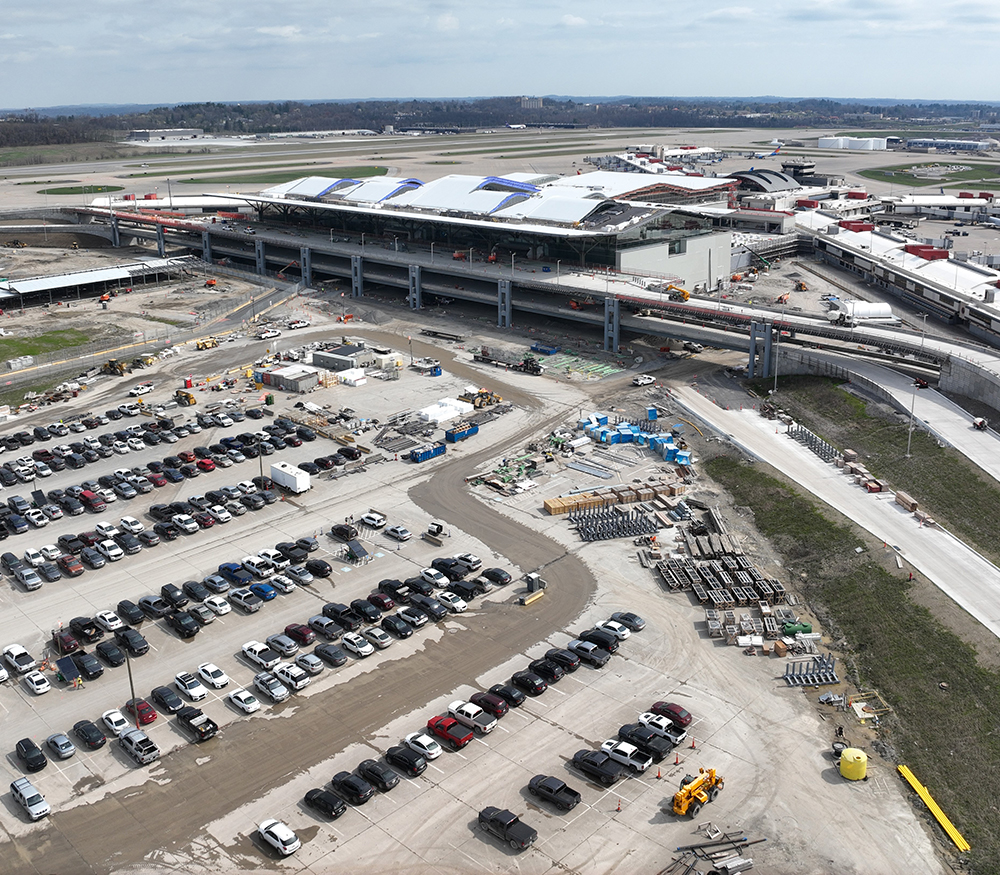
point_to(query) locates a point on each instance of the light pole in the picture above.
(777, 343)
(558, 262)
(512, 265)
(362, 242)
(170, 195)
(432, 253)
(395, 243)
(913, 396)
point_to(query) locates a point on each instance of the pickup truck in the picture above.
(506, 826)
(201, 726)
(450, 730)
(555, 791)
(627, 754)
(260, 654)
(139, 746)
(472, 716)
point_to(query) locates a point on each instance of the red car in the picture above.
(156, 479)
(381, 601)
(204, 519)
(187, 455)
(143, 712)
(450, 730)
(70, 565)
(293, 440)
(673, 712)
(300, 632)
(206, 465)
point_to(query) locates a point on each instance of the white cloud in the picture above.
(574, 21)
(447, 23)
(284, 31)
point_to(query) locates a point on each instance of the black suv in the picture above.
(173, 595)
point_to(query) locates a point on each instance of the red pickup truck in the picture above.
(450, 730)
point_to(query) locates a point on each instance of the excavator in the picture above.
(696, 791)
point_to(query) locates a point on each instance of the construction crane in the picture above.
(281, 273)
(696, 791)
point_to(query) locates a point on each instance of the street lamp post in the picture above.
(776, 345)
(362, 242)
(913, 390)
(432, 253)
(558, 262)
(512, 265)
(395, 243)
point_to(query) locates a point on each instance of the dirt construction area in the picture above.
(196, 808)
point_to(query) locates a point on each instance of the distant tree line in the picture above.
(32, 129)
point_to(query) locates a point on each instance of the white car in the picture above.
(399, 533)
(37, 682)
(188, 684)
(136, 444)
(51, 552)
(354, 643)
(36, 518)
(108, 621)
(282, 583)
(18, 658)
(91, 443)
(452, 602)
(42, 470)
(279, 836)
(220, 514)
(217, 605)
(236, 508)
(643, 380)
(373, 519)
(34, 558)
(434, 577)
(106, 530)
(108, 495)
(110, 550)
(378, 637)
(52, 511)
(246, 701)
(131, 525)
(121, 448)
(185, 523)
(115, 721)
(291, 675)
(615, 628)
(424, 745)
(235, 456)
(212, 675)
(246, 487)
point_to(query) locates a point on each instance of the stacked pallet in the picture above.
(653, 491)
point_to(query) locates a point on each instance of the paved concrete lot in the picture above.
(195, 809)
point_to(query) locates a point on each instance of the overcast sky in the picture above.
(57, 52)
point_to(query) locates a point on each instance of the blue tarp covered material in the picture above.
(650, 413)
(67, 670)
(683, 457)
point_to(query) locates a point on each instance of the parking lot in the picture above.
(197, 807)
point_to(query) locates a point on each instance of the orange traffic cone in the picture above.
(619, 805)
(658, 775)
(692, 742)
(677, 759)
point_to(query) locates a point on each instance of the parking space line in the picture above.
(503, 730)
(483, 743)
(554, 690)
(436, 769)
(460, 755)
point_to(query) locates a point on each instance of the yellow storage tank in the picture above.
(853, 764)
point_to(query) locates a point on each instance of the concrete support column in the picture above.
(504, 304)
(612, 324)
(357, 276)
(305, 265)
(116, 239)
(161, 242)
(258, 246)
(415, 297)
(206, 247)
(760, 346)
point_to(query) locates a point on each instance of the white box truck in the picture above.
(289, 477)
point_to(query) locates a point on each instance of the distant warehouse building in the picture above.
(951, 145)
(166, 134)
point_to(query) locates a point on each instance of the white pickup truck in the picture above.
(472, 716)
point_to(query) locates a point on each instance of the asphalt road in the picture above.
(127, 828)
